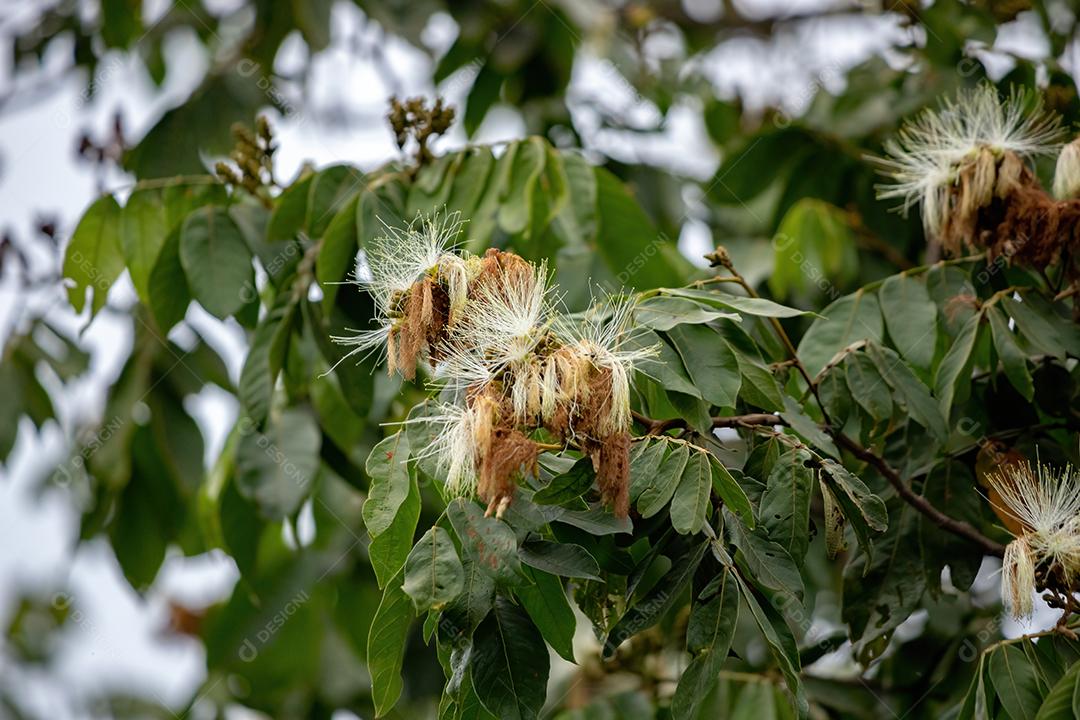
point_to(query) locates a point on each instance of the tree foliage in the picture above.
(805, 477)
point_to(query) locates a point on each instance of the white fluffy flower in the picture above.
(925, 157)
(390, 266)
(399, 258)
(1018, 578)
(1034, 496)
(454, 446)
(1049, 508)
(600, 336)
(498, 328)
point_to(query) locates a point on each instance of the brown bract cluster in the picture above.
(425, 316)
(583, 417)
(560, 385)
(425, 312)
(998, 205)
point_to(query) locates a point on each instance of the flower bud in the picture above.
(1018, 578)
(1067, 173)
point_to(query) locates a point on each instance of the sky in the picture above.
(115, 638)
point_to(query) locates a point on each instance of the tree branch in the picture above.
(920, 503)
(720, 258)
(658, 427)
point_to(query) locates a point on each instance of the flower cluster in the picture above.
(966, 164)
(1046, 551)
(509, 365)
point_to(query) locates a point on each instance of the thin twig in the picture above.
(917, 501)
(781, 333)
(658, 427)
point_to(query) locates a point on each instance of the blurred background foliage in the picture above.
(790, 195)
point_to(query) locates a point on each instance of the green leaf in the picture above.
(143, 230)
(483, 220)
(731, 492)
(563, 559)
(509, 663)
(806, 428)
(1063, 700)
(433, 572)
(785, 504)
(545, 601)
(911, 392)
(470, 180)
(201, 124)
(265, 358)
(864, 510)
(1039, 322)
(882, 591)
(576, 222)
(645, 459)
(770, 566)
(647, 611)
(432, 185)
(1012, 357)
(276, 469)
(666, 367)
(1015, 682)
(216, 261)
(337, 257)
(388, 471)
(241, 525)
(550, 195)
(515, 212)
(761, 307)
(813, 248)
(183, 195)
(567, 487)
(955, 367)
(664, 313)
(386, 645)
(150, 510)
(598, 521)
(93, 258)
(461, 53)
(628, 241)
(759, 387)
(661, 486)
(490, 542)
(289, 214)
(710, 362)
(708, 637)
(869, 389)
(976, 703)
(119, 26)
(461, 617)
(691, 499)
(781, 645)
(910, 317)
(389, 550)
(850, 319)
(169, 293)
(483, 94)
(332, 190)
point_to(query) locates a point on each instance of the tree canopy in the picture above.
(820, 465)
